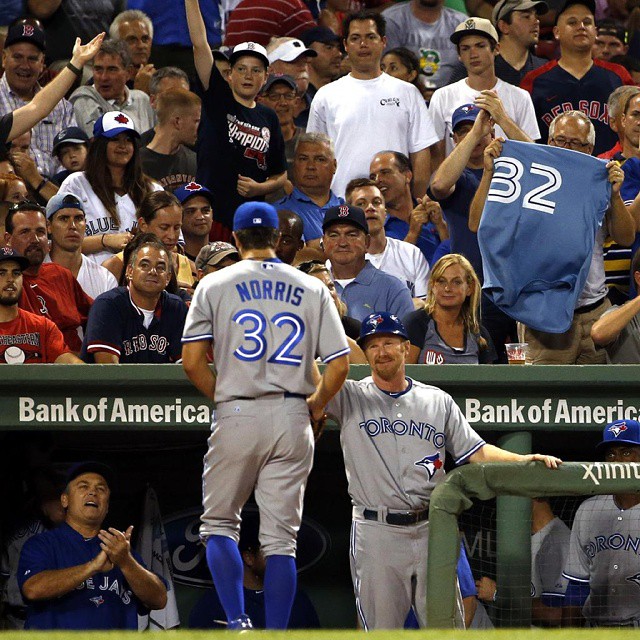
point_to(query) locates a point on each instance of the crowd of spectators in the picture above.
(289, 103)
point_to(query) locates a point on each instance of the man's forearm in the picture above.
(55, 583)
(608, 327)
(477, 204)
(449, 172)
(146, 585)
(273, 183)
(333, 378)
(513, 131)
(622, 224)
(195, 365)
(421, 165)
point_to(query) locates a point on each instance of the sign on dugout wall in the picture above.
(159, 397)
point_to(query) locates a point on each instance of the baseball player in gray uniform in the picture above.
(603, 567)
(395, 432)
(267, 322)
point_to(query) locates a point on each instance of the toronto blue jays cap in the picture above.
(9, 254)
(70, 135)
(92, 466)
(382, 322)
(192, 189)
(255, 214)
(345, 214)
(110, 124)
(465, 113)
(620, 432)
(63, 200)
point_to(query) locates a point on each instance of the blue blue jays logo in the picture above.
(431, 464)
(635, 579)
(98, 600)
(617, 428)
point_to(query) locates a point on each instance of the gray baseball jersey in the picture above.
(549, 551)
(394, 444)
(268, 322)
(394, 448)
(605, 554)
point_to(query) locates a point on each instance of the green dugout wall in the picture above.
(512, 406)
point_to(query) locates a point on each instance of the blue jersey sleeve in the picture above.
(465, 577)
(34, 559)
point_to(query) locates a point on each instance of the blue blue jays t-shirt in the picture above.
(104, 601)
(538, 229)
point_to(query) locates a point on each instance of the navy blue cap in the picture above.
(70, 135)
(465, 113)
(345, 214)
(191, 189)
(279, 77)
(621, 432)
(26, 30)
(318, 34)
(381, 323)
(9, 254)
(255, 214)
(91, 466)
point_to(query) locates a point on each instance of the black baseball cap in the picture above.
(92, 466)
(590, 4)
(7, 254)
(319, 34)
(345, 214)
(26, 30)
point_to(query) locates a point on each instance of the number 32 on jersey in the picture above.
(507, 187)
(255, 347)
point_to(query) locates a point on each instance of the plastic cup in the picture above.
(517, 352)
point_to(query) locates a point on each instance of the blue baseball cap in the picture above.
(255, 214)
(70, 135)
(63, 200)
(110, 124)
(465, 113)
(191, 189)
(384, 323)
(92, 466)
(620, 432)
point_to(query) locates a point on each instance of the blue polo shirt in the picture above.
(374, 290)
(428, 240)
(312, 215)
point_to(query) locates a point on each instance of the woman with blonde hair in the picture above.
(448, 330)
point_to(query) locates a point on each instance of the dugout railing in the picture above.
(509, 482)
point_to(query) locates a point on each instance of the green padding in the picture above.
(486, 481)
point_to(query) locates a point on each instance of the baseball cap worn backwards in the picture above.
(345, 214)
(255, 214)
(63, 200)
(474, 26)
(620, 432)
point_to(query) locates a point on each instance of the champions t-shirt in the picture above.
(235, 140)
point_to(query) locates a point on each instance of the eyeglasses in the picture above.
(569, 143)
(26, 205)
(276, 97)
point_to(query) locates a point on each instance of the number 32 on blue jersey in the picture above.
(256, 346)
(506, 184)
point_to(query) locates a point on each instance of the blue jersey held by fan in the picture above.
(537, 231)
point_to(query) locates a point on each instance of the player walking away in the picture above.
(392, 469)
(603, 568)
(267, 322)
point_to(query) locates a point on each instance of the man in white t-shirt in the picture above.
(66, 225)
(368, 110)
(477, 42)
(395, 257)
(424, 27)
